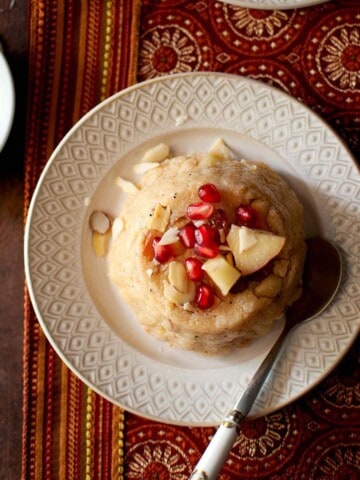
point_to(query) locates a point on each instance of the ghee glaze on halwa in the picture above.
(211, 251)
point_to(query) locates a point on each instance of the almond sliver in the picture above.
(160, 218)
(145, 167)
(156, 154)
(180, 298)
(170, 236)
(117, 227)
(126, 185)
(178, 277)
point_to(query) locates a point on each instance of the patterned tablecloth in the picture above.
(80, 54)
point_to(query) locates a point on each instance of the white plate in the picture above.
(82, 315)
(274, 4)
(7, 100)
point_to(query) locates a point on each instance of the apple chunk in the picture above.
(257, 253)
(222, 273)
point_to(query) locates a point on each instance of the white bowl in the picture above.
(7, 100)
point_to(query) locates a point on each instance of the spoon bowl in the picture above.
(321, 279)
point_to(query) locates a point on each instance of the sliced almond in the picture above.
(156, 154)
(126, 186)
(170, 236)
(145, 167)
(160, 218)
(100, 222)
(180, 298)
(117, 227)
(177, 276)
(189, 307)
(198, 223)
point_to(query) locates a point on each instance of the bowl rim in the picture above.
(7, 100)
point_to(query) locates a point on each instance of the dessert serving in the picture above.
(208, 250)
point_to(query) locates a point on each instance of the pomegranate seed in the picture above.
(200, 210)
(187, 235)
(207, 251)
(193, 269)
(209, 193)
(249, 217)
(219, 220)
(205, 296)
(246, 215)
(163, 253)
(205, 235)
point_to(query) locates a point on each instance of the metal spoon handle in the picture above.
(321, 277)
(220, 445)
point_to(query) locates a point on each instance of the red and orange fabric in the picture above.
(81, 53)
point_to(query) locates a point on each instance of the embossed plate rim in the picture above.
(119, 367)
(274, 4)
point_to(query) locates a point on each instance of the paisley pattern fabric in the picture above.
(311, 53)
(82, 52)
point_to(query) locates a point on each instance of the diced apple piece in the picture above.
(252, 259)
(177, 276)
(160, 218)
(222, 273)
(269, 287)
(247, 238)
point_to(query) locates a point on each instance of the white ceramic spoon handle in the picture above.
(218, 449)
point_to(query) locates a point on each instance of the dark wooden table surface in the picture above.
(13, 37)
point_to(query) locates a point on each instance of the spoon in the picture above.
(321, 279)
